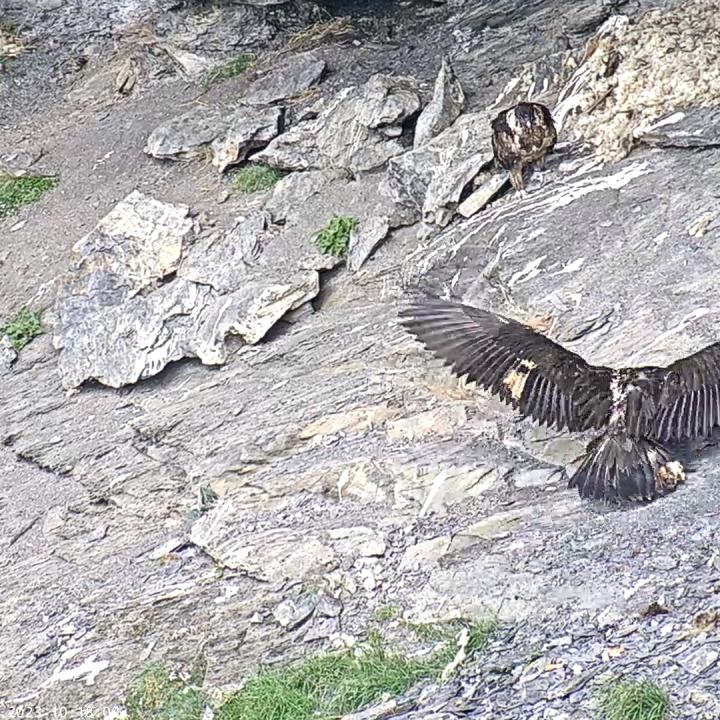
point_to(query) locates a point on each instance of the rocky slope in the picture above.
(214, 392)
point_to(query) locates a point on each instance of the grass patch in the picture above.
(235, 67)
(334, 238)
(639, 700)
(159, 696)
(335, 28)
(387, 612)
(330, 685)
(254, 177)
(18, 191)
(23, 327)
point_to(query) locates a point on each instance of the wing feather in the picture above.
(525, 368)
(690, 400)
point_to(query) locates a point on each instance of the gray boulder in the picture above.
(447, 102)
(358, 129)
(294, 76)
(425, 181)
(186, 136)
(248, 129)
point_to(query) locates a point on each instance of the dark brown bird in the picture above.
(522, 135)
(638, 409)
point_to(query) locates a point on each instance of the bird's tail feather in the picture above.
(618, 467)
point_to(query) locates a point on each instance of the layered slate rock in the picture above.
(248, 129)
(294, 75)
(119, 319)
(359, 129)
(186, 136)
(427, 183)
(447, 102)
(228, 135)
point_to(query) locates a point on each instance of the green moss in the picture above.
(23, 327)
(158, 696)
(253, 178)
(386, 612)
(235, 67)
(334, 238)
(637, 700)
(18, 191)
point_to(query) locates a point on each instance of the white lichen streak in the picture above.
(88, 669)
(539, 202)
(531, 270)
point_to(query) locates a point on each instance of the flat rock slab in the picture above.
(228, 134)
(294, 76)
(116, 324)
(186, 136)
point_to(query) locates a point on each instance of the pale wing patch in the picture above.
(516, 378)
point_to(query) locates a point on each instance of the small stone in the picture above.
(368, 579)
(54, 519)
(358, 541)
(482, 196)
(328, 606)
(663, 562)
(363, 242)
(427, 552)
(701, 660)
(291, 613)
(8, 355)
(536, 477)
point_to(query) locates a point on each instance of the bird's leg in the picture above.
(516, 177)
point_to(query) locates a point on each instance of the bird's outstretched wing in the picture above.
(526, 369)
(690, 399)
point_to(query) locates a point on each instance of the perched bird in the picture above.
(521, 136)
(638, 409)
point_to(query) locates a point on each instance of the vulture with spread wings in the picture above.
(638, 409)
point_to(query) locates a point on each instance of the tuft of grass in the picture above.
(23, 327)
(387, 612)
(235, 67)
(334, 238)
(479, 632)
(159, 696)
(315, 34)
(254, 177)
(634, 700)
(18, 191)
(325, 686)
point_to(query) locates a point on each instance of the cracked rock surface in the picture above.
(213, 391)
